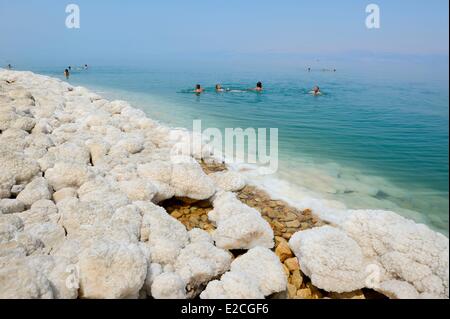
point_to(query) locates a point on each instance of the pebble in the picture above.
(283, 251)
(296, 279)
(292, 291)
(304, 293)
(292, 264)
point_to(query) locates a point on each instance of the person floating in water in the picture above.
(86, 67)
(219, 88)
(67, 73)
(199, 89)
(316, 91)
(309, 69)
(258, 88)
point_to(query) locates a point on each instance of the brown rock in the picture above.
(314, 291)
(286, 270)
(287, 236)
(292, 264)
(293, 224)
(283, 251)
(348, 295)
(304, 293)
(288, 216)
(296, 279)
(279, 240)
(277, 225)
(292, 291)
(272, 204)
(176, 214)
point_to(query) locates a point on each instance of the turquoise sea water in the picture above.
(371, 141)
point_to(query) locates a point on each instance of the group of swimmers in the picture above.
(258, 88)
(199, 90)
(69, 69)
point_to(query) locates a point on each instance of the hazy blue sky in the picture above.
(118, 31)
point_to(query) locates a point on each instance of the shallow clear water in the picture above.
(370, 142)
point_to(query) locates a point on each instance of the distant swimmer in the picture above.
(309, 69)
(70, 68)
(198, 89)
(219, 88)
(258, 88)
(86, 67)
(316, 91)
(9, 66)
(67, 73)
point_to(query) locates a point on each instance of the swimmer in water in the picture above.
(258, 88)
(316, 91)
(198, 89)
(66, 73)
(9, 66)
(219, 88)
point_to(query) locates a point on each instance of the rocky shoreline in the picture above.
(91, 206)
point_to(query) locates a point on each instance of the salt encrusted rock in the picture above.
(264, 267)
(15, 168)
(112, 270)
(254, 275)
(21, 281)
(42, 126)
(10, 206)
(164, 191)
(405, 250)
(36, 190)
(64, 193)
(332, 260)
(198, 235)
(7, 181)
(64, 175)
(165, 235)
(168, 286)
(200, 262)
(24, 123)
(9, 226)
(189, 180)
(130, 218)
(75, 214)
(98, 150)
(61, 274)
(396, 289)
(42, 211)
(50, 234)
(238, 225)
(129, 145)
(138, 190)
(232, 286)
(228, 181)
(68, 153)
(153, 271)
(103, 190)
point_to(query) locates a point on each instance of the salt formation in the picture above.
(375, 249)
(239, 226)
(254, 275)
